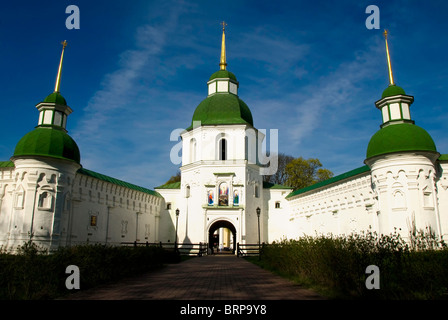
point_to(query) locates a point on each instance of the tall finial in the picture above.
(58, 78)
(391, 77)
(222, 62)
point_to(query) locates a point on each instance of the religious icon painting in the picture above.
(223, 194)
(236, 198)
(210, 198)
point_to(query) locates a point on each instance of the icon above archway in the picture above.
(223, 194)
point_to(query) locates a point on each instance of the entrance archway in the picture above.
(216, 226)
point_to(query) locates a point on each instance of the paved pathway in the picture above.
(216, 277)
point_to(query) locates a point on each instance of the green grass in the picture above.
(335, 267)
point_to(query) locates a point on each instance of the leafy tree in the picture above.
(302, 173)
(298, 172)
(280, 176)
(175, 178)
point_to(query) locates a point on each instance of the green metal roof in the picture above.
(99, 176)
(51, 142)
(398, 138)
(6, 164)
(332, 180)
(392, 90)
(222, 108)
(443, 157)
(117, 182)
(222, 74)
(56, 98)
(174, 185)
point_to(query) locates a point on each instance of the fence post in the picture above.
(238, 249)
(262, 250)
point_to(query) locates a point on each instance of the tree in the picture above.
(175, 178)
(302, 173)
(280, 176)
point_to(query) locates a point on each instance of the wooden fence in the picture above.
(200, 249)
(187, 249)
(249, 249)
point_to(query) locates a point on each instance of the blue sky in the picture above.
(136, 70)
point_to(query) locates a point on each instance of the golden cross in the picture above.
(385, 33)
(58, 77)
(223, 25)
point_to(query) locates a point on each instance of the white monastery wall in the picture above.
(104, 212)
(277, 214)
(344, 207)
(47, 202)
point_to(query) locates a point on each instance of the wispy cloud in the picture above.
(335, 100)
(119, 124)
(318, 119)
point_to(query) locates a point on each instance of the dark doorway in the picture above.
(213, 240)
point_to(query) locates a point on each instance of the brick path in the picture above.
(216, 277)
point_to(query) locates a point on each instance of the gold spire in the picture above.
(391, 77)
(222, 62)
(58, 78)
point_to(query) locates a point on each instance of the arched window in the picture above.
(193, 150)
(20, 198)
(223, 149)
(45, 201)
(399, 200)
(67, 202)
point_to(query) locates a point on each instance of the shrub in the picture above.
(336, 265)
(35, 274)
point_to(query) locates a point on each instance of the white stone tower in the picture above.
(402, 158)
(46, 161)
(221, 186)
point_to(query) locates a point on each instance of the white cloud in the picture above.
(329, 118)
(118, 129)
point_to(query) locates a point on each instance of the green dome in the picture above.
(398, 138)
(222, 108)
(392, 90)
(48, 142)
(222, 74)
(57, 98)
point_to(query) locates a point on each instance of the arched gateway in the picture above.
(216, 226)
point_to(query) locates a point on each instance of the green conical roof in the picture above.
(48, 142)
(400, 138)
